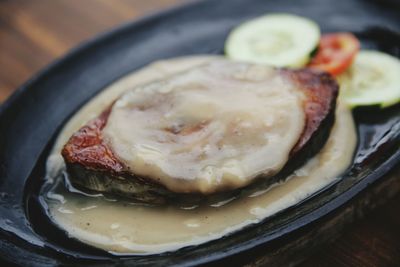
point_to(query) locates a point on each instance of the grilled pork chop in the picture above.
(93, 164)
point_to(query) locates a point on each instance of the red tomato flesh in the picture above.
(336, 52)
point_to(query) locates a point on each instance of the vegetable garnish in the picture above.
(373, 79)
(335, 53)
(282, 40)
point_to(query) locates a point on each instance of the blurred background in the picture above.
(33, 33)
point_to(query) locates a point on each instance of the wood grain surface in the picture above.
(33, 33)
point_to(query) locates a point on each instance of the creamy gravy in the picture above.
(121, 227)
(211, 128)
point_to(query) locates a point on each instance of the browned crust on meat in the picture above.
(321, 91)
(86, 149)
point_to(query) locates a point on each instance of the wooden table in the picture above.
(35, 32)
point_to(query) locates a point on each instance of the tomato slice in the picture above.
(336, 52)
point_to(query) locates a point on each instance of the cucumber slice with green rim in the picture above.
(282, 40)
(373, 79)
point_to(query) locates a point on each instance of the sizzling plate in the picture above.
(31, 118)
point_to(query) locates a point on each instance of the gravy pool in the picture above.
(130, 228)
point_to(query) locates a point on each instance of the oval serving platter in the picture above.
(31, 118)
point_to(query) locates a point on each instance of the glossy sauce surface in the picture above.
(121, 227)
(211, 128)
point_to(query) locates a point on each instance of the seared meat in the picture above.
(92, 165)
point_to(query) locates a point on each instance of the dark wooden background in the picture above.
(35, 32)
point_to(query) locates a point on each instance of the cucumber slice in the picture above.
(282, 40)
(373, 78)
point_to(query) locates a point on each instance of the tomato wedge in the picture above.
(336, 52)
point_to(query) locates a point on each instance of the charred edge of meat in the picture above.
(122, 185)
(92, 167)
(108, 177)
